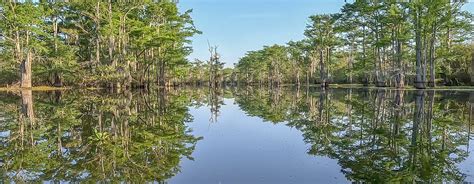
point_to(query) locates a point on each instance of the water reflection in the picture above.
(87, 136)
(376, 135)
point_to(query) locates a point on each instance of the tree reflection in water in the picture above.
(376, 135)
(90, 136)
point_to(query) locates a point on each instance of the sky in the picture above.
(238, 26)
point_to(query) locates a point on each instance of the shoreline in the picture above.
(333, 86)
(42, 88)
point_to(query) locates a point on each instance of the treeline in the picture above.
(94, 43)
(385, 43)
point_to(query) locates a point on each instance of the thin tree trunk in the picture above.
(351, 60)
(472, 68)
(307, 78)
(379, 79)
(429, 118)
(322, 98)
(322, 70)
(298, 78)
(432, 82)
(366, 77)
(419, 83)
(58, 80)
(399, 52)
(161, 74)
(399, 107)
(111, 38)
(417, 120)
(349, 109)
(97, 39)
(161, 69)
(471, 117)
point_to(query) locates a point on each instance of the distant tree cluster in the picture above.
(98, 43)
(385, 43)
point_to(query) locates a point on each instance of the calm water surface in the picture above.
(237, 136)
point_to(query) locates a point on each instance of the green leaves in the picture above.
(100, 137)
(374, 42)
(70, 38)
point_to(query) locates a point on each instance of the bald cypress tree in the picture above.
(22, 32)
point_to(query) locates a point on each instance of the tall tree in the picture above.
(22, 29)
(322, 33)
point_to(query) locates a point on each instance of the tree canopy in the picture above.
(97, 43)
(382, 43)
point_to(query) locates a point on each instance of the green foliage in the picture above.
(96, 43)
(374, 42)
(270, 63)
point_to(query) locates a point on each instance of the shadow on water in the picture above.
(376, 135)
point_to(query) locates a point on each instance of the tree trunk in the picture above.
(25, 67)
(58, 79)
(97, 39)
(419, 82)
(307, 78)
(429, 114)
(351, 61)
(471, 117)
(349, 109)
(419, 107)
(472, 68)
(161, 69)
(432, 82)
(364, 55)
(322, 70)
(298, 78)
(111, 38)
(379, 78)
(161, 74)
(400, 79)
(27, 105)
(417, 120)
(322, 99)
(399, 107)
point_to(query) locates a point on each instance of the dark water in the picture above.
(237, 136)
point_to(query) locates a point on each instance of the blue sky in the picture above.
(238, 26)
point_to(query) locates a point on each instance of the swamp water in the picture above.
(237, 136)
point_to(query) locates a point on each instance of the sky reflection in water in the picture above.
(237, 136)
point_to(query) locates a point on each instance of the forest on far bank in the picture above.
(386, 44)
(120, 44)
